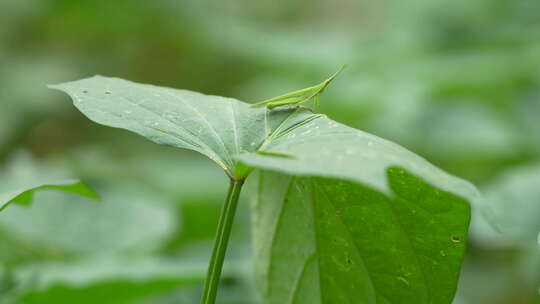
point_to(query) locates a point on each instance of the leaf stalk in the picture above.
(221, 242)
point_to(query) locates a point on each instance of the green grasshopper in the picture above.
(300, 96)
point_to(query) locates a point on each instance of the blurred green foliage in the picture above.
(455, 81)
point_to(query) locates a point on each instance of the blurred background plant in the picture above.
(457, 82)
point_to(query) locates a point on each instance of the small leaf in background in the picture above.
(512, 203)
(24, 196)
(24, 176)
(504, 232)
(129, 217)
(126, 219)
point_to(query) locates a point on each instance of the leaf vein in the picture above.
(278, 221)
(205, 120)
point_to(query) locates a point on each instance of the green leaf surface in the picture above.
(353, 244)
(25, 195)
(345, 217)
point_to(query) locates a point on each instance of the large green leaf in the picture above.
(24, 195)
(323, 240)
(217, 127)
(346, 217)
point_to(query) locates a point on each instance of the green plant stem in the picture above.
(223, 234)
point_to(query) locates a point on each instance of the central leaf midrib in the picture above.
(277, 132)
(201, 144)
(235, 129)
(300, 276)
(208, 124)
(276, 229)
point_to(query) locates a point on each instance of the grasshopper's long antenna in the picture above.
(322, 86)
(331, 78)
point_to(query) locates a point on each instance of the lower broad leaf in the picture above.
(323, 240)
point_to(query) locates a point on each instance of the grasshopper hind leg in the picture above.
(316, 100)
